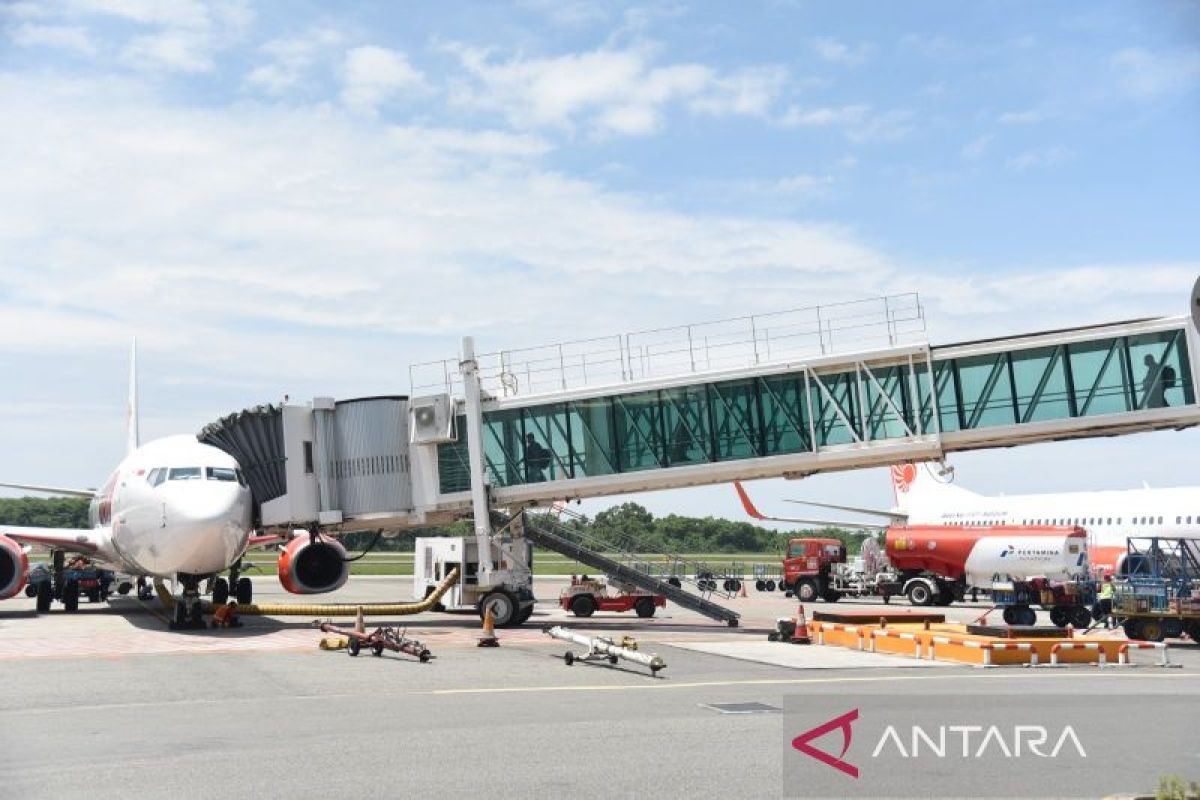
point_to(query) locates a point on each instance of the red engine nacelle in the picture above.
(313, 567)
(14, 568)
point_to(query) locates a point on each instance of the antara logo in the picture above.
(843, 723)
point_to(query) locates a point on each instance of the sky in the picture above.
(303, 198)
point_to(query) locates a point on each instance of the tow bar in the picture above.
(601, 648)
(381, 639)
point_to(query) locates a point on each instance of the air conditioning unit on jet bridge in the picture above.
(432, 419)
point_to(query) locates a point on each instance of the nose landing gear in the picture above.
(188, 614)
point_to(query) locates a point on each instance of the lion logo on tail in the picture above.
(903, 476)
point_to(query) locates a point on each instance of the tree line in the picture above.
(628, 526)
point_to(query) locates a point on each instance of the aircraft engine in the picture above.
(308, 567)
(14, 568)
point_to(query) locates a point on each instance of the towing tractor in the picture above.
(585, 596)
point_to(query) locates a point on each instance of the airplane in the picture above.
(926, 496)
(173, 508)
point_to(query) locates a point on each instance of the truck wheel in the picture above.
(920, 593)
(1060, 617)
(644, 607)
(831, 596)
(1132, 628)
(945, 595)
(1010, 615)
(806, 590)
(220, 595)
(524, 614)
(1152, 630)
(504, 608)
(1026, 616)
(1192, 628)
(1081, 617)
(583, 605)
(70, 596)
(45, 595)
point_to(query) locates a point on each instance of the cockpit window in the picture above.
(241, 477)
(156, 476)
(222, 474)
(185, 474)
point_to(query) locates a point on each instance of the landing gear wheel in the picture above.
(920, 594)
(220, 595)
(197, 621)
(806, 590)
(179, 616)
(504, 608)
(583, 605)
(1060, 617)
(353, 646)
(244, 592)
(93, 595)
(644, 607)
(70, 596)
(1080, 617)
(524, 614)
(45, 595)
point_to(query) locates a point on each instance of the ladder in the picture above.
(545, 531)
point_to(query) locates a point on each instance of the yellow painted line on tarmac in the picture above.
(660, 684)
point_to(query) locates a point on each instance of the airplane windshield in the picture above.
(185, 474)
(222, 474)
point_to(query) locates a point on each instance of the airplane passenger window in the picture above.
(185, 474)
(222, 474)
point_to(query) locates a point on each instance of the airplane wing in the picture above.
(89, 493)
(76, 540)
(894, 516)
(750, 508)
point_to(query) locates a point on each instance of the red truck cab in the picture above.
(807, 565)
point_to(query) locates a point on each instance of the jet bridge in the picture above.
(790, 394)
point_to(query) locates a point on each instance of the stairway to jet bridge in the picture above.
(790, 394)
(624, 566)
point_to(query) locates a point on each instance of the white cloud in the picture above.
(1027, 117)
(374, 75)
(1149, 74)
(74, 38)
(290, 60)
(796, 117)
(607, 90)
(977, 147)
(839, 52)
(1041, 157)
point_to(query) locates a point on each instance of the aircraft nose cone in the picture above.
(206, 530)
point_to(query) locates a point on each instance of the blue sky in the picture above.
(302, 198)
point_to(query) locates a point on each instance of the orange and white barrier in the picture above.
(1164, 660)
(884, 633)
(1076, 646)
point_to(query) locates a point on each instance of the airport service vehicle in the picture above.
(385, 638)
(173, 508)
(935, 564)
(585, 596)
(511, 603)
(818, 568)
(1158, 594)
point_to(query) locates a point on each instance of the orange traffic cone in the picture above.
(360, 626)
(800, 635)
(741, 589)
(489, 630)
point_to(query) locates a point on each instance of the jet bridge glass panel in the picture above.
(804, 411)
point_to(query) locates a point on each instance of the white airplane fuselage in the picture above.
(173, 506)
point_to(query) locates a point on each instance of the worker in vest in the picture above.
(1106, 601)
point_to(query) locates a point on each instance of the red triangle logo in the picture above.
(843, 722)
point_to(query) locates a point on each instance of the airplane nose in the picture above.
(206, 530)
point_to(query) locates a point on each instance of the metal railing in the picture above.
(685, 349)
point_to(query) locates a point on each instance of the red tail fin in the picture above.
(746, 502)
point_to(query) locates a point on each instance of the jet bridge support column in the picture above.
(469, 369)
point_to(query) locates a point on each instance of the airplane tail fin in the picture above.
(134, 439)
(919, 493)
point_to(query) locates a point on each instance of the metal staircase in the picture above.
(545, 531)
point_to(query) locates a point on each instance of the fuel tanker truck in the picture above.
(1020, 565)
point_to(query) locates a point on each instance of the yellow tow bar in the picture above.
(327, 609)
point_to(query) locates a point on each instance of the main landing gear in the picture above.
(240, 587)
(189, 613)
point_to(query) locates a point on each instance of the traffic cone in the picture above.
(359, 625)
(741, 589)
(489, 630)
(800, 635)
